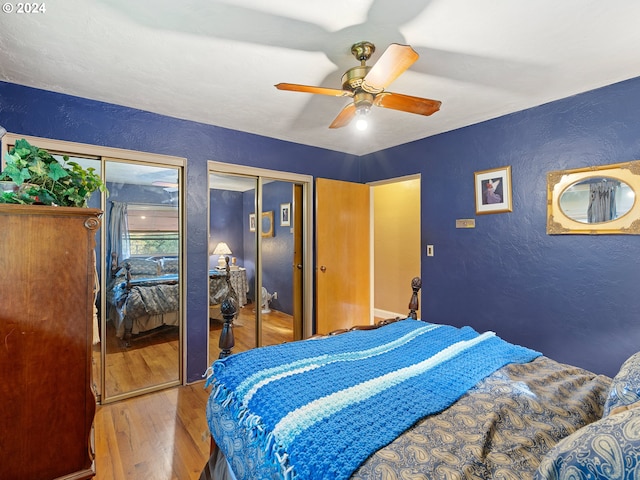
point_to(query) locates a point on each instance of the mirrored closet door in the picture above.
(142, 317)
(232, 234)
(280, 287)
(137, 322)
(253, 222)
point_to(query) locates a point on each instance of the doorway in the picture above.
(396, 244)
(369, 253)
(260, 220)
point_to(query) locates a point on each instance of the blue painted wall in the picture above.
(573, 297)
(277, 258)
(46, 114)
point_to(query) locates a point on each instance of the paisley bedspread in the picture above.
(290, 398)
(498, 430)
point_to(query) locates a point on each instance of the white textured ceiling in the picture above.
(216, 62)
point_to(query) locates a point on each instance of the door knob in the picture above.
(323, 268)
(299, 266)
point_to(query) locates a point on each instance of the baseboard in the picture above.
(379, 313)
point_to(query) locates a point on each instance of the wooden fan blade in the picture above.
(407, 103)
(319, 90)
(344, 117)
(393, 62)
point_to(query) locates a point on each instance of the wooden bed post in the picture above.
(414, 304)
(228, 309)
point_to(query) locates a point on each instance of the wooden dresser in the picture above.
(46, 305)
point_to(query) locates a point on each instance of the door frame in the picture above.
(307, 226)
(387, 181)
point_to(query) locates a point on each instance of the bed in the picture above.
(144, 295)
(407, 399)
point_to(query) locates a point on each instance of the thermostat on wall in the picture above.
(465, 223)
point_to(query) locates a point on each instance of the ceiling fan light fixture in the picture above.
(362, 117)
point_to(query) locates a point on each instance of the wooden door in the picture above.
(298, 262)
(343, 260)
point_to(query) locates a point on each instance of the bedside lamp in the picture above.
(221, 249)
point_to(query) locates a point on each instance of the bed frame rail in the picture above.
(229, 308)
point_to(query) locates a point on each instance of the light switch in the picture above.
(429, 250)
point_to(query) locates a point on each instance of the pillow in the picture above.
(625, 388)
(168, 265)
(607, 449)
(140, 266)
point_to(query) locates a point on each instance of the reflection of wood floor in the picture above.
(152, 359)
(277, 327)
(164, 435)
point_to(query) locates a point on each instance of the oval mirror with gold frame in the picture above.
(594, 200)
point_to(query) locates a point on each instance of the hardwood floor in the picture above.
(164, 435)
(158, 436)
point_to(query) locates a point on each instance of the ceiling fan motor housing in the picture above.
(352, 78)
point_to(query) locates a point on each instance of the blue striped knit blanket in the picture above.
(319, 408)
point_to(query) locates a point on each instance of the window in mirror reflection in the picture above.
(153, 230)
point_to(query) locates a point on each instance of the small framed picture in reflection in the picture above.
(285, 214)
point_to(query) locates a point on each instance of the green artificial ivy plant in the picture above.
(41, 179)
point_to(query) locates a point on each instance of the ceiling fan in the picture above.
(366, 85)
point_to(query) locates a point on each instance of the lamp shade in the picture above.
(222, 249)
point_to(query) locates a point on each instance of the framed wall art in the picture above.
(267, 224)
(493, 190)
(285, 214)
